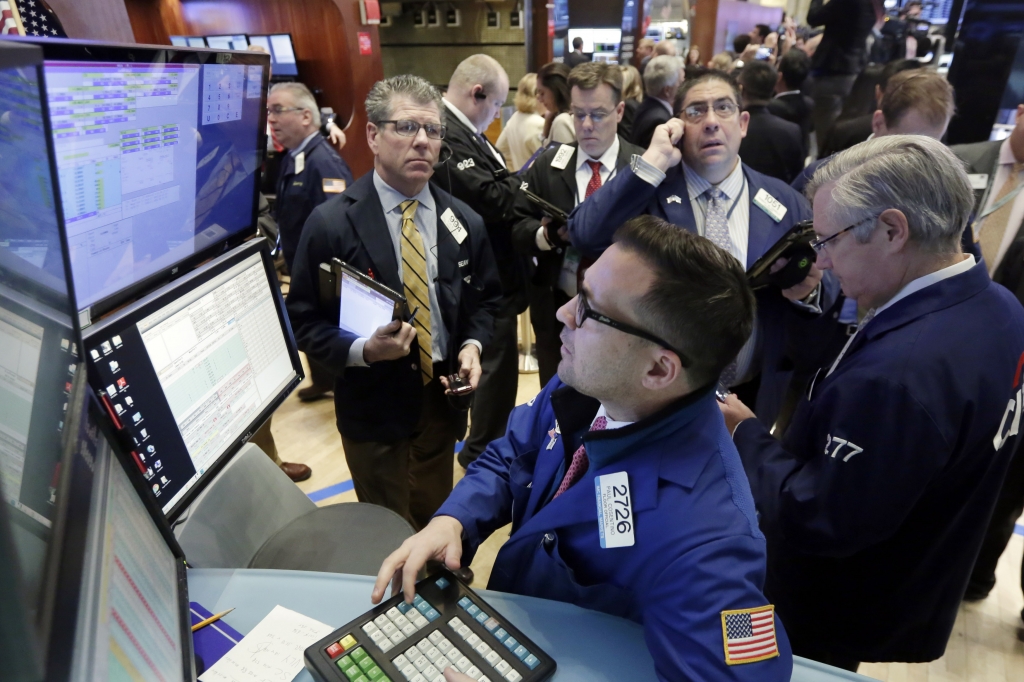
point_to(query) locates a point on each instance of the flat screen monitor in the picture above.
(195, 41)
(179, 41)
(281, 49)
(193, 370)
(237, 42)
(158, 155)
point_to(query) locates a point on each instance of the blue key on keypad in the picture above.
(417, 600)
(531, 661)
(403, 607)
(511, 643)
(432, 615)
(521, 652)
(472, 610)
(441, 583)
(481, 617)
(501, 634)
(465, 602)
(423, 606)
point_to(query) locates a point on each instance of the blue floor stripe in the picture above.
(345, 486)
(1018, 529)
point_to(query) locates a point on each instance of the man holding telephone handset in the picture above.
(397, 420)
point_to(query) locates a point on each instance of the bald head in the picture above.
(478, 88)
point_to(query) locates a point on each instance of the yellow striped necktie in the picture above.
(417, 288)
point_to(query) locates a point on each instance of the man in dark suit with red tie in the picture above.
(397, 426)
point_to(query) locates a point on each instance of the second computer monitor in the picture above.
(192, 370)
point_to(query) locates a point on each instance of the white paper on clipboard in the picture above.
(363, 309)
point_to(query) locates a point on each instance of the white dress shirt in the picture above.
(426, 222)
(454, 111)
(612, 424)
(1006, 161)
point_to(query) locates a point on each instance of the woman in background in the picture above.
(524, 131)
(632, 95)
(693, 56)
(553, 94)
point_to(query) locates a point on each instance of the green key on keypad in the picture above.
(361, 678)
(374, 673)
(358, 655)
(367, 663)
(343, 663)
(353, 671)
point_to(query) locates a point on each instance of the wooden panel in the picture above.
(94, 19)
(153, 21)
(703, 33)
(540, 40)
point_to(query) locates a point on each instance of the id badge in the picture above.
(570, 266)
(614, 510)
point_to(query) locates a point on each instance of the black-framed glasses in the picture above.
(819, 244)
(406, 128)
(698, 111)
(585, 312)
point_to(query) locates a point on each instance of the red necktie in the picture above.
(579, 463)
(595, 179)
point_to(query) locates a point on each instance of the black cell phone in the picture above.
(459, 386)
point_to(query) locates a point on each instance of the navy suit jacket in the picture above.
(382, 402)
(625, 196)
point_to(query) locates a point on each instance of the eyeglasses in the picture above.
(277, 111)
(819, 244)
(723, 108)
(405, 128)
(585, 312)
(597, 117)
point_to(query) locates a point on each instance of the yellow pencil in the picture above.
(211, 619)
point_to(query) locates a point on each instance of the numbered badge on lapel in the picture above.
(614, 510)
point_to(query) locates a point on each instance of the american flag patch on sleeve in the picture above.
(749, 635)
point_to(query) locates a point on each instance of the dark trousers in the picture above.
(829, 94)
(496, 393)
(544, 303)
(412, 476)
(1000, 528)
(321, 376)
(808, 645)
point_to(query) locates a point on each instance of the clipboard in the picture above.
(546, 207)
(795, 245)
(364, 303)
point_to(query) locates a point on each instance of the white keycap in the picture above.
(432, 654)
(453, 654)
(483, 649)
(493, 657)
(409, 671)
(513, 676)
(412, 653)
(401, 621)
(377, 636)
(400, 661)
(502, 667)
(421, 663)
(455, 623)
(385, 645)
(408, 629)
(397, 638)
(484, 679)
(473, 640)
(474, 672)
(430, 672)
(424, 645)
(380, 620)
(389, 628)
(464, 631)
(440, 678)
(370, 627)
(393, 613)
(444, 645)
(420, 621)
(463, 664)
(435, 637)
(418, 678)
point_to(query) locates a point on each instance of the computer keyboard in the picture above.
(447, 625)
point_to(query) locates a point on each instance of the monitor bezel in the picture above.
(282, 77)
(166, 295)
(75, 50)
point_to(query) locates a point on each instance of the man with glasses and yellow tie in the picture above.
(397, 425)
(692, 176)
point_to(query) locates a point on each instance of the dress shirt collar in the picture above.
(612, 424)
(731, 186)
(932, 278)
(391, 198)
(1006, 154)
(295, 152)
(666, 104)
(454, 111)
(787, 92)
(607, 159)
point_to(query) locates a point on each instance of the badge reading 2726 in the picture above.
(614, 510)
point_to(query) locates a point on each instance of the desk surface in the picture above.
(335, 599)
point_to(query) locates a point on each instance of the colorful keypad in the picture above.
(359, 666)
(491, 624)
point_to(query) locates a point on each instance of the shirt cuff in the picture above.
(473, 342)
(542, 240)
(646, 171)
(355, 354)
(811, 303)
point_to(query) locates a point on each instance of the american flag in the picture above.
(11, 21)
(749, 635)
(39, 19)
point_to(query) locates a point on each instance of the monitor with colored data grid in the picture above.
(158, 157)
(190, 372)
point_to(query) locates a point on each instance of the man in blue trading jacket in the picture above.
(876, 500)
(397, 426)
(712, 193)
(632, 411)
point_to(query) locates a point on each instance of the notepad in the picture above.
(271, 652)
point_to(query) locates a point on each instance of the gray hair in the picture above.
(378, 101)
(661, 72)
(915, 174)
(303, 98)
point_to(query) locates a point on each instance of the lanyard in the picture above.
(1002, 202)
(576, 184)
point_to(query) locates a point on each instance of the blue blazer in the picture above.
(382, 402)
(593, 223)
(877, 499)
(697, 552)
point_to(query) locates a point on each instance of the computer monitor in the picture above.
(236, 42)
(190, 372)
(179, 41)
(195, 41)
(158, 153)
(281, 49)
